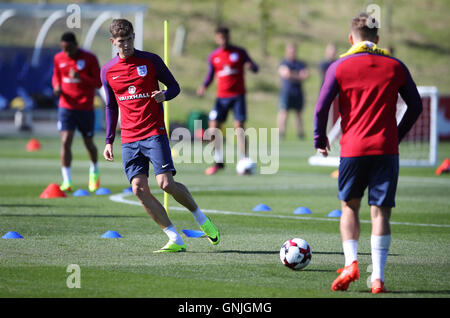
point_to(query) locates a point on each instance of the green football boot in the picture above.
(171, 247)
(94, 181)
(66, 186)
(211, 231)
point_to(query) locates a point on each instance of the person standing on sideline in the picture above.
(330, 57)
(131, 83)
(292, 73)
(76, 76)
(228, 63)
(368, 82)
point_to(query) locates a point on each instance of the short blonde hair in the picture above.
(365, 26)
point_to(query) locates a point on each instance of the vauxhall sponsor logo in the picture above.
(133, 95)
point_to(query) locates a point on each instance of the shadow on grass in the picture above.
(401, 292)
(429, 292)
(247, 252)
(277, 252)
(24, 206)
(341, 253)
(74, 215)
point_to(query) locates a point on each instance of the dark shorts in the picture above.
(223, 105)
(287, 102)
(83, 120)
(137, 155)
(378, 173)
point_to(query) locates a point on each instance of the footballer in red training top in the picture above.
(131, 83)
(228, 63)
(367, 81)
(76, 76)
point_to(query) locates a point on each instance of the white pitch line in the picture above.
(120, 198)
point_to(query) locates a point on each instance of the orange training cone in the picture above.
(52, 191)
(335, 174)
(444, 167)
(33, 145)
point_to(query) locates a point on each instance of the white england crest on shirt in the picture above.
(81, 64)
(142, 70)
(234, 57)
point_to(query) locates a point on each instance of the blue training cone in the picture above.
(102, 191)
(335, 214)
(193, 233)
(81, 193)
(111, 234)
(302, 210)
(12, 235)
(261, 207)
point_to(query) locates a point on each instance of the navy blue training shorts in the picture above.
(83, 120)
(287, 101)
(223, 105)
(137, 155)
(378, 173)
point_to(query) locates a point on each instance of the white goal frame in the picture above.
(334, 135)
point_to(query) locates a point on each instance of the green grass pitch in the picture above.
(59, 232)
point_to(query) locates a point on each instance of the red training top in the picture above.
(128, 85)
(228, 65)
(76, 93)
(368, 86)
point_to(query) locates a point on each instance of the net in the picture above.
(418, 148)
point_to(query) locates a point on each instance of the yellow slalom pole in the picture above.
(166, 103)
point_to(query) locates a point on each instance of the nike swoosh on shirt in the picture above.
(114, 77)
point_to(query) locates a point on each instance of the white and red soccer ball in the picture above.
(295, 253)
(246, 166)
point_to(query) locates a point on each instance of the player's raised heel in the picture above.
(347, 275)
(171, 247)
(211, 231)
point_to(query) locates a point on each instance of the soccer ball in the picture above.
(295, 253)
(246, 166)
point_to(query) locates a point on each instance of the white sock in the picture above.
(199, 216)
(173, 235)
(380, 249)
(66, 173)
(93, 167)
(350, 248)
(218, 155)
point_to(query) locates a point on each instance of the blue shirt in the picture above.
(290, 87)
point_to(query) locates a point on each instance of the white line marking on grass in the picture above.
(121, 198)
